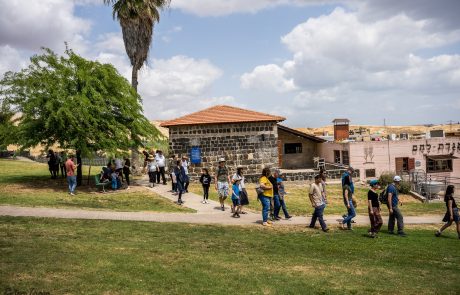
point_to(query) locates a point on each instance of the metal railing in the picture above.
(431, 186)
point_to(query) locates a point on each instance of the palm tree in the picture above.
(137, 18)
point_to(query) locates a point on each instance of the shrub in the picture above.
(386, 178)
(404, 187)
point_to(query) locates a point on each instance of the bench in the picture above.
(97, 179)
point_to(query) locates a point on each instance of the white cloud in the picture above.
(342, 65)
(11, 60)
(267, 77)
(32, 24)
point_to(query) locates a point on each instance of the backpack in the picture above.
(383, 197)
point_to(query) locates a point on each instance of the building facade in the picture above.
(436, 156)
(244, 138)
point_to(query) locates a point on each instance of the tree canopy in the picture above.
(75, 103)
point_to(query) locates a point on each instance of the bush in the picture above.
(404, 187)
(387, 177)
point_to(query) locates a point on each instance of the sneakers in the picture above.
(438, 234)
(203, 202)
(236, 215)
(288, 217)
(72, 194)
(222, 207)
(206, 201)
(277, 218)
(266, 224)
(325, 230)
(402, 234)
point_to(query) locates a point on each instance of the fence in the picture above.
(431, 186)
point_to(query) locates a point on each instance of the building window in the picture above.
(337, 158)
(345, 158)
(442, 165)
(370, 173)
(292, 148)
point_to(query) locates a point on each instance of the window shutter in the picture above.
(411, 164)
(399, 164)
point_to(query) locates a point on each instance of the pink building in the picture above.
(435, 156)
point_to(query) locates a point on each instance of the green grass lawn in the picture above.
(28, 184)
(298, 203)
(115, 257)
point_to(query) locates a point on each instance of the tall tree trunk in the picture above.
(134, 152)
(79, 168)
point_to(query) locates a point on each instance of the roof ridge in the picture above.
(222, 114)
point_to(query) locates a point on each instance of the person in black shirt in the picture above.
(452, 214)
(275, 204)
(205, 181)
(127, 171)
(374, 209)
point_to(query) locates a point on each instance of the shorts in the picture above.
(236, 202)
(222, 189)
(456, 216)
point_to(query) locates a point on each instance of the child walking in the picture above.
(374, 209)
(236, 198)
(205, 181)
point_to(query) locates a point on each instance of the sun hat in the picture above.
(151, 157)
(373, 182)
(397, 178)
(221, 160)
(239, 167)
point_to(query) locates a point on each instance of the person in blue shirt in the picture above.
(393, 209)
(236, 198)
(347, 179)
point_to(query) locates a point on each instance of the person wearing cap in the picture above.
(393, 209)
(222, 180)
(347, 179)
(316, 198)
(152, 169)
(239, 176)
(185, 164)
(374, 209)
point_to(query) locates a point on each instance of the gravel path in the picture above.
(206, 213)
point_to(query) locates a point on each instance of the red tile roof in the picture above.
(222, 114)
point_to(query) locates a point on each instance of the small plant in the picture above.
(404, 187)
(387, 177)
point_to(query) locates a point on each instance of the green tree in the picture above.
(77, 104)
(7, 125)
(137, 18)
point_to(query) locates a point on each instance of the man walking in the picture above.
(222, 180)
(71, 178)
(161, 162)
(316, 198)
(393, 209)
(185, 164)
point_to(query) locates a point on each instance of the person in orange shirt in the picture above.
(71, 178)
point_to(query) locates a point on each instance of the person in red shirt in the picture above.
(71, 178)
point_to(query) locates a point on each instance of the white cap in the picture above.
(221, 160)
(397, 178)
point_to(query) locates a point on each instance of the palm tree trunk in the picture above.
(134, 152)
(134, 78)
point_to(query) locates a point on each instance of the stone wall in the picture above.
(252, 145)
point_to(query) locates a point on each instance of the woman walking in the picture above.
(238, 176)
(181, 177)
(205, 181)
(452, 214)
(374, 209)
(152, 169)
(266, 195)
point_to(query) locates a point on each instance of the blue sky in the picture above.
(310, 61)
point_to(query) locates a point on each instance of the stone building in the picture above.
(242, 137)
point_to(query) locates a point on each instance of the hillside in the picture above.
(374, 129)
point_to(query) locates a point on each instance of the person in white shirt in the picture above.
(316, 198)
(238, 176)
(161, 162)
(152, 169)
(186, 164)
(119, 167)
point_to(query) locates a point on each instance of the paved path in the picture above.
(206, 213)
